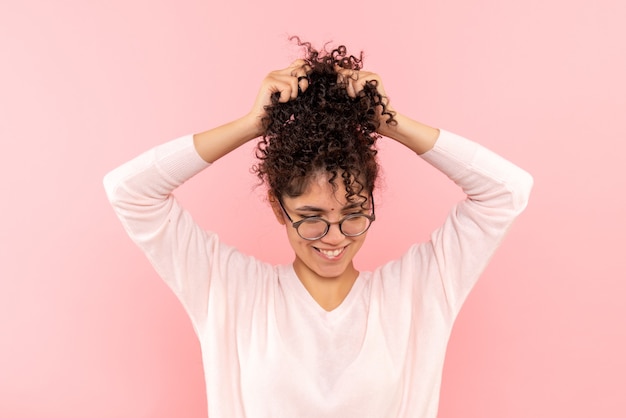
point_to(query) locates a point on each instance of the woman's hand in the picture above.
(355, 81)
(287, 83)
(417, 136)
(217, 142)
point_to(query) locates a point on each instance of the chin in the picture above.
(334, 272)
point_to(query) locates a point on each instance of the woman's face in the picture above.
(329, 257)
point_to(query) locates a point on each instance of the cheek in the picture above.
(358, 243)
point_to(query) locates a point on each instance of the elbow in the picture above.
(111, 186)
(521, 190)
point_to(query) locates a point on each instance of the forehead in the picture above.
(320, 192)
(319, 188)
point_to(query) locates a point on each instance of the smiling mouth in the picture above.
(331, 253)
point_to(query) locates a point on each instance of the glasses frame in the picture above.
(340, 222)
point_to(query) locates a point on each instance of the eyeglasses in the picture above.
(314, 227)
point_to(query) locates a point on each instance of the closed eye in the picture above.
(310, 217)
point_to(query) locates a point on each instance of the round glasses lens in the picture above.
(313, 228)
(355, 225)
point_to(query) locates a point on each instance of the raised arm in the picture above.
(140, 191)
(285, 83)
(415, 135)
(497, 192)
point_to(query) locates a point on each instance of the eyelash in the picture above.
(318, 216)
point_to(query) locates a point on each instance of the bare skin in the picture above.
(324, 266)
(327, 277)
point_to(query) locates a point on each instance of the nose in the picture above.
(334, 234)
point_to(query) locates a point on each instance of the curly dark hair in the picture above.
(323, 130)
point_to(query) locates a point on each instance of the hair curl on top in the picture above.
(323, 130)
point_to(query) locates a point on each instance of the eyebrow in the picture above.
(308, 208)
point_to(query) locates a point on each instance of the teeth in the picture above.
(333, 253)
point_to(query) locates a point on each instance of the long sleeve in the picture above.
(262, 341)
(497, 192)
(140, 192)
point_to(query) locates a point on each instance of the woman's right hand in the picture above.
(217, 142)
(287, 83)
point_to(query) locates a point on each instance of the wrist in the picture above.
(251, 124)
(417, 136)
(217, 142)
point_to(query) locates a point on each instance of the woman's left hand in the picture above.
(355, 81)
(415, 135)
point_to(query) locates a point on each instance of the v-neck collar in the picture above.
(293, 283)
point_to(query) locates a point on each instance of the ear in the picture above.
(278, 211)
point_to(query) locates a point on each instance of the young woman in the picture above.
(317, 338)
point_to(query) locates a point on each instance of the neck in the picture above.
(328, 292)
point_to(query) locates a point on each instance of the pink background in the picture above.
(89, 330)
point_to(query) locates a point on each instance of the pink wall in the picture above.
(89, 330)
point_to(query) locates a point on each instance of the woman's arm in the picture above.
(215, 143)
(497, 192)
(415, 135)
(140, 191)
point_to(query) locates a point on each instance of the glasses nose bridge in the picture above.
(330, 226)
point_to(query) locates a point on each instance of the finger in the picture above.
(295, 88)
(289, 88)
(303, 83)
(347, 72)
(352, 85)
(303, 77)
(351, 80)
(287, 93)
(281, 85)
(296, 75)
(298, 63)
(298, 67)
(351, 89)
(290, 81)
(301, 71)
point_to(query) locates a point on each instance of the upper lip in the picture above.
(331, 249)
